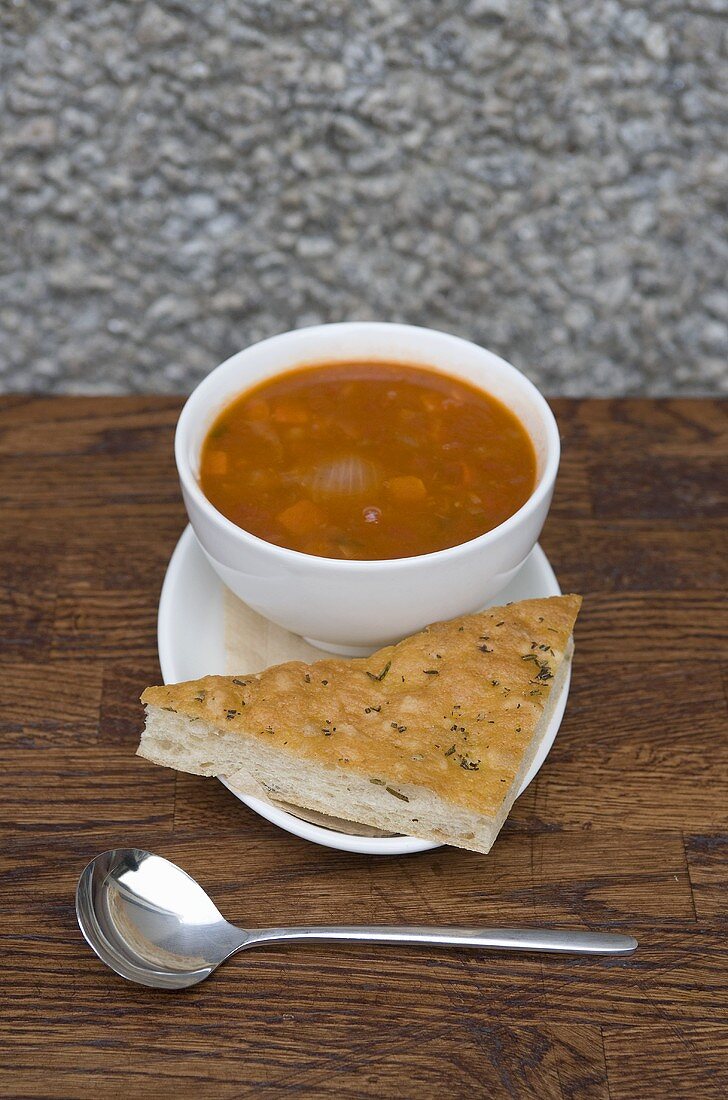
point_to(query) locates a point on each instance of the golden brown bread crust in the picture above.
(451, 709)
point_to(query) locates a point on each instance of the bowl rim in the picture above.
(192, 487)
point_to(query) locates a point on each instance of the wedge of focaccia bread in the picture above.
(431, 737)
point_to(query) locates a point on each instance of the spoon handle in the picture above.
(502, 939)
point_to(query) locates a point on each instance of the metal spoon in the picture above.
(153, 924)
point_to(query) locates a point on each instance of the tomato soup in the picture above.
(367, 461)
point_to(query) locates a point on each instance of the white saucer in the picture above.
(191, 642)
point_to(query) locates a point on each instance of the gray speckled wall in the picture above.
(180, 179)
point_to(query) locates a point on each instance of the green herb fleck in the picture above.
(544, 672)
(397, 794)
(382, 674)
(464, 760)
(430, 672)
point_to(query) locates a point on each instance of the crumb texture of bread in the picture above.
(430, 737)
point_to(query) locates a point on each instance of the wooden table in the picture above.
(624, 828)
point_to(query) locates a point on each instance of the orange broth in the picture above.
(367, 461)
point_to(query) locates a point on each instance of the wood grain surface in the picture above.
(624, 828)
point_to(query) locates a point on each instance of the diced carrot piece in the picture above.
(259, 480)
(257, 409)
(467, 474)
(216, 463)
(350, 550)
(407, 488)
(301, 518)
(321, 548)
(289, 413)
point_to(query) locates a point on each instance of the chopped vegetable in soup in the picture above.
(367, 461)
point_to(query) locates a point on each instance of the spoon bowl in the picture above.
(150, 922)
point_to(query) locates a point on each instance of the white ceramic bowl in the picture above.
(353, 607)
